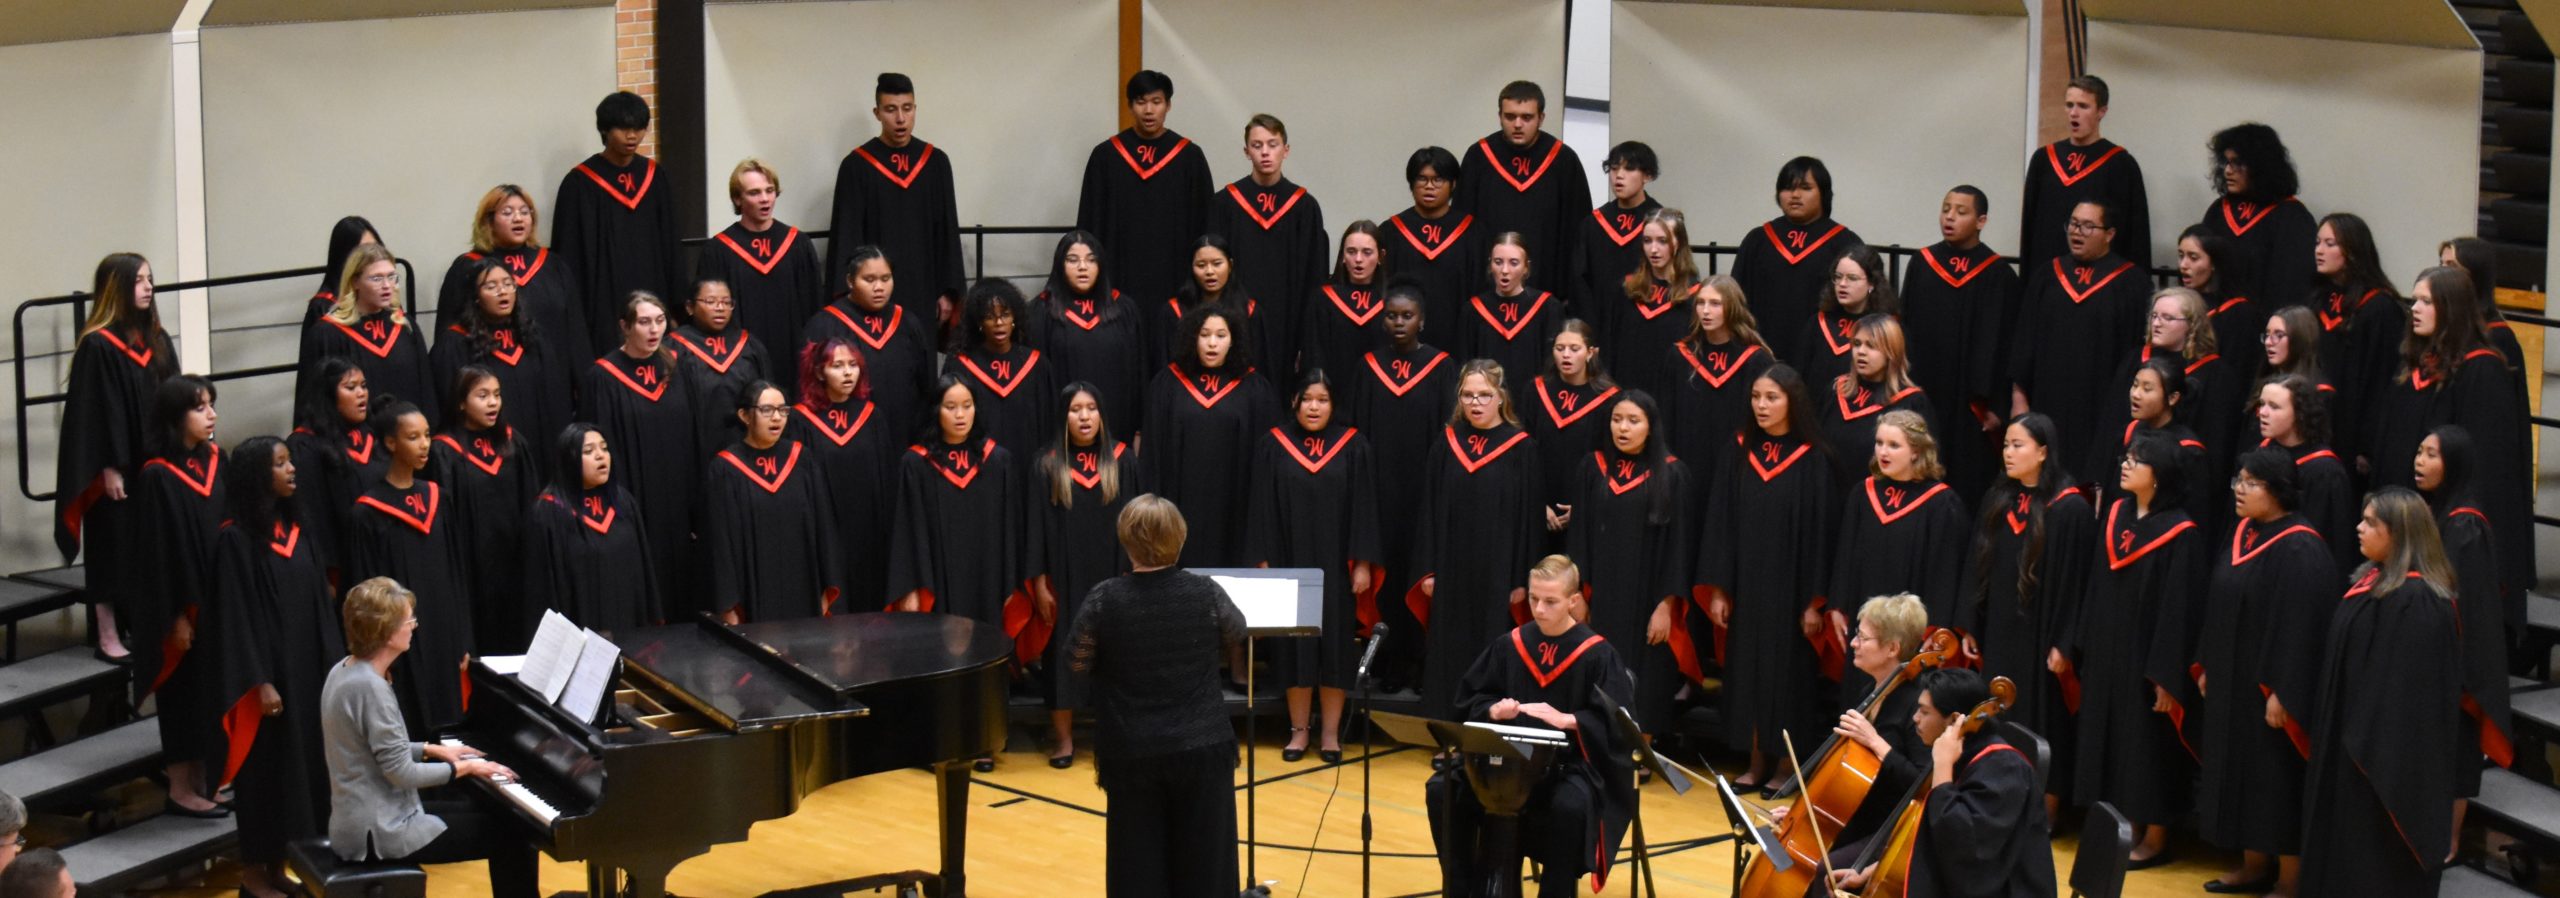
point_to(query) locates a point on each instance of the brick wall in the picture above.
(635, 41)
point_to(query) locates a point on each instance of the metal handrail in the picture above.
(976, 233)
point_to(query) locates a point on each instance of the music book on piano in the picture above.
(553, 656)
(592, 679)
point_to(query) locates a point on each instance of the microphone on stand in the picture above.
(1377, 634)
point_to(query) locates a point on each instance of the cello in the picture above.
(1832, 788)
(1892, 855)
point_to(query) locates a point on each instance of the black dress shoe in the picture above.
(216, 812)
(2259, 887)
(1062, 762)
(1329, 755)
(2146, 863)
(101, 654)
(984, 765)
(1293, 755)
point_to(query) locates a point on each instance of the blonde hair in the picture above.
(484, 228)
(1558, 569)
(1492, 373)
(1887, 332)
(1900, 619)
(1684, 265)
(738, 188)
(1924, 447)
(1737, 314)
(374, 612)
(363, 257)
(2200, 341)
(1153, 531)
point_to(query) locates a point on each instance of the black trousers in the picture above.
(471, 834)
(1559, 811)
(1171, 829)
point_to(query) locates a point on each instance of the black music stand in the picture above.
(1304, 617)
(1622, 726)
(1498, 839)
(1738, 815)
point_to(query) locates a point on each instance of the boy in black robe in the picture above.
(1982, 830)
(1523, 179)
(2077, 310)
(1438, 245)
(2083, 166)
(1785, 264)
(618, 232)
(1608, 250)
(1545, 673)
(1277, 228)
(894, 192)
(1146, 194)
(1958, 298)
(771, 269)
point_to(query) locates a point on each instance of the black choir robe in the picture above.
(587, 555)
(897, 360)
(2265, 610)
(109, 396)
(767, 534)
(2275, 237)
(1149, 202)
(899, 199)
(648, 421)
(1338, 323)
(1163, 324)
(1577, 816)
(2128, 641)
(389, 349)
(1984, 835)
(180, 498)
(1315, 505)
(1631, 563)
(2239, 330)
(619, 235)
(1900, 536)
(538, 383)
(1097, 341)
(1399, 401)
(1710, 402)
(1447, 254)
(1017, 395)
(1477, 529)
(1823, 350)
(958, 538)
(332, 470)
(1786, 268)
(2377, 813)
(1765, 546)
(1201, 430)
(2478, 397)
(2211, 409)
(413, 536)
(716, 368)
(773, 277)
(2360, 354)
(2202, 497)
(1636, 337)
(1076, 546)
(1957, 307)
(1281, 251)
(2488, 722)
(1538, 190)
(2073, 313)
(272, 621)
(1609, 250)
(1568, 423)
(1849, 420)
(2063, 175)
(489, 478)
(859, 458)
(2330, 503)
(1514, 331)
(2017, 625)
(546, 289)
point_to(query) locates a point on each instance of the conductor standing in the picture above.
(1150, 641)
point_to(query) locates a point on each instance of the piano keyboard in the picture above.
(518, 794)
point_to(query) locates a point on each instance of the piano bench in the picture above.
(326, 875)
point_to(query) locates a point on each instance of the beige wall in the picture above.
(2391, 133)
(1900, 106)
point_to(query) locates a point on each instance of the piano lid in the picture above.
(761, 675)
(851, 652)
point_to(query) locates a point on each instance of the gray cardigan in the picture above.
(375, 772)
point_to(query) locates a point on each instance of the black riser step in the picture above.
(115, 862)
(2523, 128)
(70, 771)
(2522, 221)
(2519, 266)
(2525, 82)
(2522, 174)
(2518, 38)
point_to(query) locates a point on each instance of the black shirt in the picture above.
(1151, 643)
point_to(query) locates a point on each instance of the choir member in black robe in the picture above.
(587, 551)
(894, 192)
(2450, 375)
(405, 527)
(770, 269)
(617, 232)
(768, 537)
(350, 232)
(2075, 309)
(121, 358)
(2446, 465)
(503, 231)
(1859, 288)
(494, 334)
(2131, 654)
(2479, 259)
(859, 455)
(1569, 421)
(1522, 180)
(1211, 284)
(716, 360)
(1878, 382)
(1887, 636)
(2294, 416)
(1279, 229)
(2266, 612)
(635, 397)
(1787, 262)
(2084, 165)
(1607, 248)
(1475, 529)
(1904, 529)
(335, 455)
(2022, 591)
(1205, 412)
(1079, 486)
(956, 545)
(1397, 394)
(273, 624)
(1511, 322)
(1146, 193)
(2153, 394)
(897, 348)
(179, 492)
(1092, 333)
(1437, 242)
(2257, 210)
(490, 474)
(2178, 331)
(2377, 813)
(2361, 323)
(2291, 337)
(1340, 321)
(1016, 385)
(1633, 537)
(1654, 308)
(1544, 673)
(1958, 299)
(369, 327)
(1981, 830)
(1764, 560)
(2210, 265)
(1714, 367)
(1314, 505)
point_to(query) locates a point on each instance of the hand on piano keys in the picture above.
(469, 763)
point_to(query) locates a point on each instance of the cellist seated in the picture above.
(1983, 831)
(1888, 635)
(1543, 674)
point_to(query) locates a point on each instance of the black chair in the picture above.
(2036, 748)
(326, 875)
(2106, 846)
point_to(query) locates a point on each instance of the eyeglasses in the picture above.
(1432, 179)
(2165, 317)
(772, 411)
(2245, 482)
(380, 280)
(2087, 227)
(715, 303)
(2274, 337)
(1477, 397)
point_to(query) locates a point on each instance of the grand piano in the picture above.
(714, 727)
